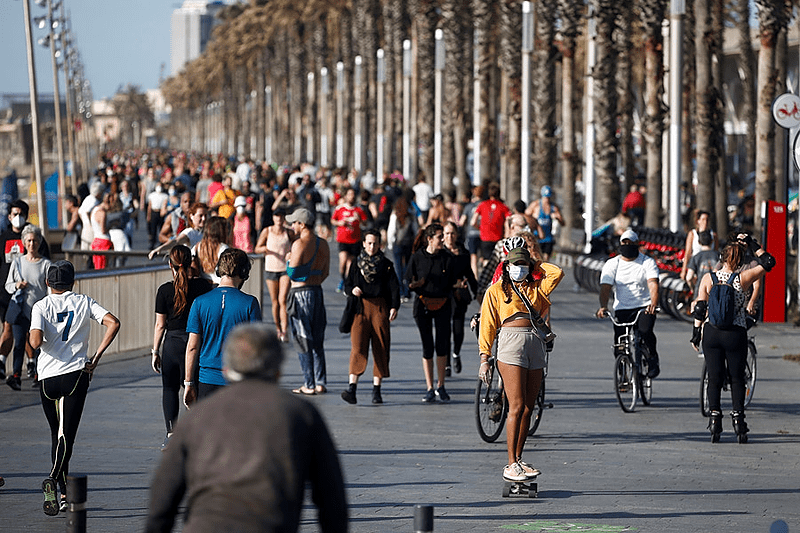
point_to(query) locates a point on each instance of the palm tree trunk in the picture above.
(652, 13)
(747, 67)
(544, 109)
(485, 18)
(425, 20)
(605, 109)
(771, 20)
(721, 180)
(511, 59)
(689, 104)
(706, 105)
(399, 33)
(623, 35)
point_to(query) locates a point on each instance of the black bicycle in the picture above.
(491, 404)
(631, 366)
(750, 374)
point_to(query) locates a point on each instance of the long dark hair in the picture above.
(421, 240)
(733, 253)
(180, 259)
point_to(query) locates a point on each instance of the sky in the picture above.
(120, 42)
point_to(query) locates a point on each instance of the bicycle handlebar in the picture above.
(625, 324)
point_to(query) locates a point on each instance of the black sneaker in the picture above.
(376, 396)
(457, 364)
(442, 394)
(2, 369)
(63, 506)
(654, 371)
(447, 371)
(14, 382)
(430, 396)
(31, 367)
(349, 396)
(50, 505)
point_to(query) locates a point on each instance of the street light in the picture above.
(407, 109)
(677, 10)
(438, 66)
(525, 133)
(379, 170)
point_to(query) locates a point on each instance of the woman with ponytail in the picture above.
(173, 301)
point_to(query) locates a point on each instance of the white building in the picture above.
(191, 30)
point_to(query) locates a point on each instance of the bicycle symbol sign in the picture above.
(786, 110)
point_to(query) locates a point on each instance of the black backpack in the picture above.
(722, 302)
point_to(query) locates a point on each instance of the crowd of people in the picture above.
(395, 244)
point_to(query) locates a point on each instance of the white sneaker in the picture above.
(514, 472)
(530, 471)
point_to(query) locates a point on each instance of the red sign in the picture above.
(775, 279)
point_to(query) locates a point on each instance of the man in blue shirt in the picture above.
(211, 317)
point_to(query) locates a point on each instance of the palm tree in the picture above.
(135, 115)
(771, 19)
(570, 12)
(746, 63)
(544, 108)
(511, 68)
(605, 106)
(424, 12)
(623, 37)
(688, 97)
(652, 15)
(720, 179)
(706, 108)
(484, 15)
(454, 130)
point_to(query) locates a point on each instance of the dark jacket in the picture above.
(242, 458)
(436, 269)
(462, 269)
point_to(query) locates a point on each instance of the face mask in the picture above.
(18, 221)
(158, 188)
(172, 192)
(518, 272)
(629, 251)
(240, 210)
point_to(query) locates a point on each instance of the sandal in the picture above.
(304, 390)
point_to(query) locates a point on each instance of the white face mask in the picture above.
(518, 272)
(18, 221)
(240, 210)
(172, 192)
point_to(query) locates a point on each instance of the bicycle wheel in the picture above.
(750, 372)
(644, 383)
(704, 391)
(538, 410)
(625, 382)
(491, 407)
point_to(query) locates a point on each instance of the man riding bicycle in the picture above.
(633, 277)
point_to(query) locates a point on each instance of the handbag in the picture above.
(541, 328)
(432, 304)
(349, 314)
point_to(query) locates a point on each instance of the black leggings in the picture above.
(644, 326)
(173, 365)
(63, 398)
(720, 347)
(459, 313)
(426, 322)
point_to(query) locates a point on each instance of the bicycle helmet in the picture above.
(546, 191)
(511, 243)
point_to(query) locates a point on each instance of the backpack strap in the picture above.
(714, 278)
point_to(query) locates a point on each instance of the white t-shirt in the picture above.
(629, 280)
(422, 195)
(64, 322)
(193, 235)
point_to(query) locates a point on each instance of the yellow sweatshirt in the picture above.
(495, 310)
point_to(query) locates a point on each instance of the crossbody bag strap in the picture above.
(543, 331)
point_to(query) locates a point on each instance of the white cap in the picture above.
(629, 235)
(240, 201)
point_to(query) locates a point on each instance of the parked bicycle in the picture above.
(631, 366)
(491, 405)
(750, 374)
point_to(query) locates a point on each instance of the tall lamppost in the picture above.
(589, 136)
(50, 41)
(358, 164)
(438, 66)
(69, 54)
(407, 109)
(380, 118)
(340, 114)
(34, 97)
(476, 112)
(677, 10)
(269, 119)
(525, 133)
(325, 89)
(310, 124)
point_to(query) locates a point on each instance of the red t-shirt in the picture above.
(493, 215)
(349, 233)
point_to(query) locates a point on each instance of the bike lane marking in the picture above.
(549, 525)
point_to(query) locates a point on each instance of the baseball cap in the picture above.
(302, 215)
(240, 201)
(546, 191)
(629, 235)
(518, 254)
(61, 275)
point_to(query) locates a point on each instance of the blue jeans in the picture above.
(306, 309)
(401, 257)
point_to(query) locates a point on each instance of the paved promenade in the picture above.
(603, 470)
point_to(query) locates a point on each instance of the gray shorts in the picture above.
(520, 347)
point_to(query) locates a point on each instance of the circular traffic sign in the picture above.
(786, 110)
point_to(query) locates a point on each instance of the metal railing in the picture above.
(130, 294)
